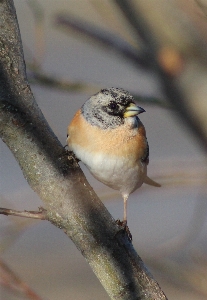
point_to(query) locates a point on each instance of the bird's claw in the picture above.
(71, 156)
(125, 228)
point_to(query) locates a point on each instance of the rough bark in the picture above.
(70, 202)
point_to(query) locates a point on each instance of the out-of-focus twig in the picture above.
(39, 35)
(112, 19)
(170, 87)
(150, 100)
(13, 283)
(37, 76)
(106, 38)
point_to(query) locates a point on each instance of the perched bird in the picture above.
(109, 138)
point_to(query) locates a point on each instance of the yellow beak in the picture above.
(133, 110)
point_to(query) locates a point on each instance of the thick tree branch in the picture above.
(70, 202)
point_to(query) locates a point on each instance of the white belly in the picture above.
(119, 174)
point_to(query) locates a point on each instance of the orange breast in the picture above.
(121, 141)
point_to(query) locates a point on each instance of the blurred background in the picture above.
(168, 224)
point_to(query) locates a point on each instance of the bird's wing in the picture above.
(145, 157)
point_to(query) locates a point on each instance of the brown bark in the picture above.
(70, 202)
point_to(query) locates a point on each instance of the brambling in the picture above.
(109, 138)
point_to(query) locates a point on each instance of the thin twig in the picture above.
(41, 214)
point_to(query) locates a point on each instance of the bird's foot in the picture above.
(123, 227)
(71, 156)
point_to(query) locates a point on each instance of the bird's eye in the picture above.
(113, 105)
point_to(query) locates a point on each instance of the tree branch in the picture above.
(41, 214)
(70, 202)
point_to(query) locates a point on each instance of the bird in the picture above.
(109, 138)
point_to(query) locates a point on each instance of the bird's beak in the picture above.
(133, 110)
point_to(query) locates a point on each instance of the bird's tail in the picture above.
(151, 182)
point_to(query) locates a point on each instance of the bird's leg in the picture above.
(123, 224)
(125, 209)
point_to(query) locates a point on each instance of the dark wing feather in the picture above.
(145, 157)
